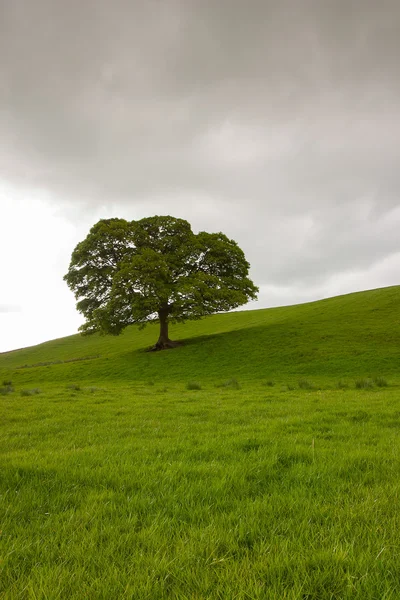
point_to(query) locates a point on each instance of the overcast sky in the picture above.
(276, 122)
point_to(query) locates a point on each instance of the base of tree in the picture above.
(164, 345)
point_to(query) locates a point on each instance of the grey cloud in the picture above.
(351, 238)
(9, 308)
(275, 121)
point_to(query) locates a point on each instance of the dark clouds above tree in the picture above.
(277, 122)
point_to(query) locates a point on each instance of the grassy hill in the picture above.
(260, 460)
(347, 336)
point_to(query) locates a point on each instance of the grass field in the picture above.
(258, 460)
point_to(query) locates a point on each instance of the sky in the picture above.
(277, 123)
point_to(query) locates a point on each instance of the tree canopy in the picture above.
(132, 272)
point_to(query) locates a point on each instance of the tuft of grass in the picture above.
(232, 384)
(364, 384)
(31, 392)
(74, 386)
(359, 416)
(287, 387)
(380, 382)
(7, 383)
(270, 383)
(193, 385)
(342, 385)
(304, 384)
(7, 389)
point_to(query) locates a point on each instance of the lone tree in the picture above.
(128, 272)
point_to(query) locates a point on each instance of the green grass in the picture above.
(353, 336)
(121, 480)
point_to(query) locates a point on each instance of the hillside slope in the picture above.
(353, 335)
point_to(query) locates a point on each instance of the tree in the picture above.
(133, 272)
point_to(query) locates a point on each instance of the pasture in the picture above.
(258, 460)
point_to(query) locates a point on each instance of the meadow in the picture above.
(258, 460)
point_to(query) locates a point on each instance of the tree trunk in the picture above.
(164, 342)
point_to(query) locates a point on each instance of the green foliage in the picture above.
(127, 273)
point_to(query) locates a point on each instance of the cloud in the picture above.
(135, 100)
(9, 308)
